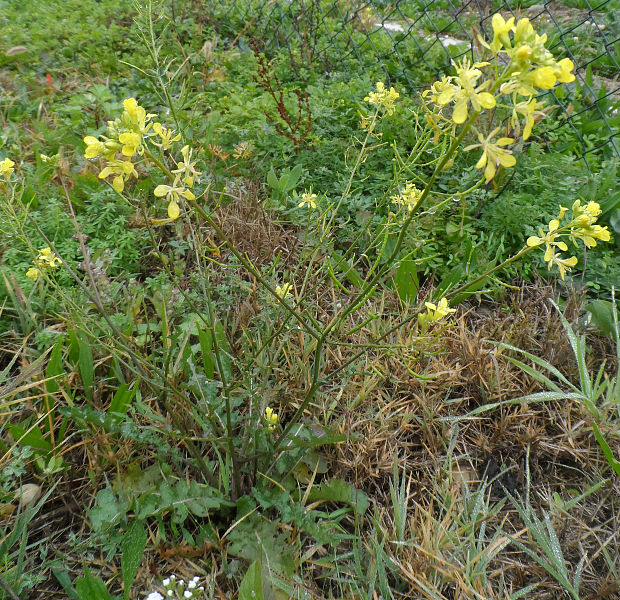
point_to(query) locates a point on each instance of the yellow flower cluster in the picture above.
(462, 89)
(582, 226)
(531, 65)
(271, 418)
(126, 137)
(435, 313)
(383, 98)
(46, 260)
(408, 197)
(524, 68)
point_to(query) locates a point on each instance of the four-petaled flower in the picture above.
(131, 143)
(187, 168)
(123, 169)
(465, 91)
(47, 258)
(308, 198)
(493, 153)
(167, 136)
(173, 195)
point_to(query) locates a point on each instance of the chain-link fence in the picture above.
(413, 41)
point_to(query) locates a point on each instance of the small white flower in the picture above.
(166, 582)
(192, 584)
(170, 593)
(195, 579)
(187, 594)
(154, 596)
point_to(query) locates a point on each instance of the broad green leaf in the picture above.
(602, 316)
(406, 281)
(340, 491)
(252, 584)
(91, 588)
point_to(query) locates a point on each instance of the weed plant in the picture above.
(205, 375)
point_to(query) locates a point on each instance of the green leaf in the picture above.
(609, 455)
(252, 584)
(293, 178)
(406, 281)
(86, 366)
(341, 265)
(54, 367)
(206, 344)
(132, 549)
(602, 315)
(121, 401)
(223, 350)
(272, 180)
(91, 588)
(340, 491)
(108, 511)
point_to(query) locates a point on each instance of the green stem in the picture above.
(525, 250)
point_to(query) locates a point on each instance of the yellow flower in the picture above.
(493, 154)
(544, 78)
(501, 32)
(440, 310)
(529, 110)
(434, 313)
(131, 142)
(524, 32)
(465, 91)
(590, 234)
(408, 197)
(271, 418)
(383, 98)
(167, 136)
(562, 70)
(33, 273)
(284, 292)
(583, 224)
(441, 92)
(95, 147)
(308, 198)
(548, 239)
(173, 195)
(564, 264)
(123, 169)
(6, 168)
(187, 168)
(134, 116)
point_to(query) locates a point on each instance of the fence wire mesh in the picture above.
(411, 42)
